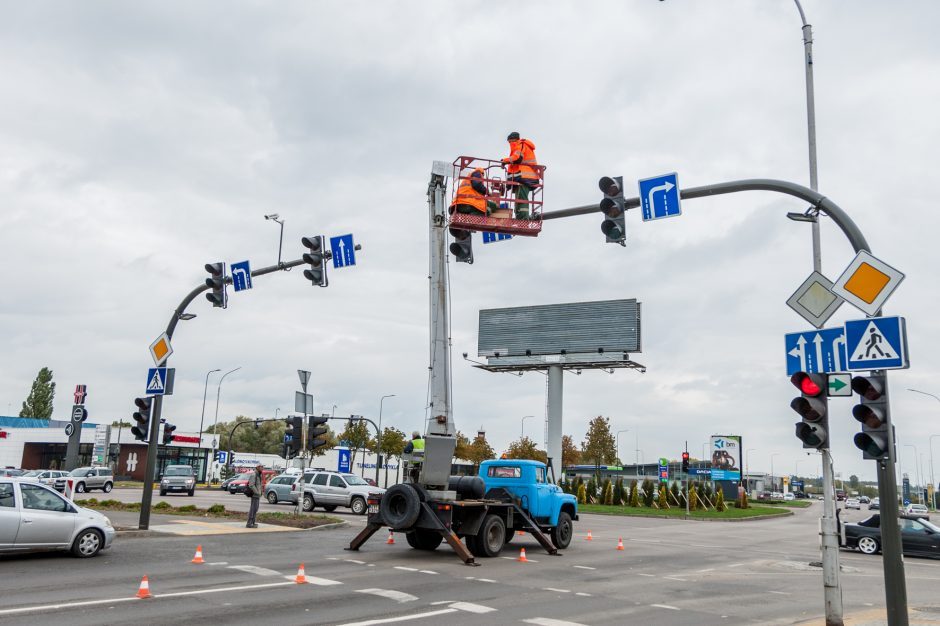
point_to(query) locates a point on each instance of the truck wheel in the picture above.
(400, 507)
(421, 539)
(561, 533)
(490, 540)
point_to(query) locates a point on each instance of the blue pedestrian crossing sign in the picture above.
(491, 237)
(241, 276)
(816, 351)
(659, 197)
(156, 381)
(876, 343)
(343, 249)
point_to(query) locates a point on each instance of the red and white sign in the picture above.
(81, 391)
(185, 439)
(3, 434)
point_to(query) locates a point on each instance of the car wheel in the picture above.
(309, 503)
(423, 539)
(490, 540)
(561, 533)
(80, 488)
(87, 544)
(232, 490)
(162, 493)
(329, 507)
(868, 545)
(107, 487)
(192, 492)
(358, 506)
(400, 506)
(272, 497)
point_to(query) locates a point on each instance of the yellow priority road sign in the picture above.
(867, 282)
(161, 349)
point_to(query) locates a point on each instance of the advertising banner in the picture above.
(344, 460)
(726, 457)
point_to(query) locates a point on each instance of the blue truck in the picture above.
(507, 495)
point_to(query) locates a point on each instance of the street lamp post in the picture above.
(930, 446)
(916, 470)
(202, 417)
(747, 466)
(524, 418)
(378, 443)
(773, 481)
(218, 393)
(625, 430)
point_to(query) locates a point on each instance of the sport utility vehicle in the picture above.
(88, 478)
(333, 489)
(178, 478)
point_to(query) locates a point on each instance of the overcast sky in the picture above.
(143, 140)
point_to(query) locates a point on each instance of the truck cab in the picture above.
(526, 482)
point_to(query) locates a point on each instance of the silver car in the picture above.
(280, 489)
(88, 478)
(333, 489)
(50, 478)
(178, 478)
(34, 517)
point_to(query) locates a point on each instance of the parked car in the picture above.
(34, 517)
(50, 478)
(776, 495)
(763, 495)
(918, 536)
(874, 504)
(280, 489)
(333, 489)
(853, 503)
(10, 472)
(88, 478)
(789, 497)
(864, 499)
(917, 510)
(178, 478)
(237, 485)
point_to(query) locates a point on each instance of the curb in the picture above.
(697, 519)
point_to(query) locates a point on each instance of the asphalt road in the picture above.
(671, 572)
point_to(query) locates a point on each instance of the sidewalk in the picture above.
(878, 617)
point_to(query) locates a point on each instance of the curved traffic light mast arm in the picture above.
(819, 202)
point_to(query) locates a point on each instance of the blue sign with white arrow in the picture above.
(491, 237)
(156, 381)
(241, 276)
(816, 351)
(659, 197)
(876, 343)
(344, 252)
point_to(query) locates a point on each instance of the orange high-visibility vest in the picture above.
(524, 149)
(466, 194)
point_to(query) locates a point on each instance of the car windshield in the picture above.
(32, 473)
(81, 471)
(352, 479)
(872, 522)
(178, 471)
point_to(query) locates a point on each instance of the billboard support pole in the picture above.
(555, 394)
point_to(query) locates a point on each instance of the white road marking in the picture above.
(482, 580)
(709, 569)
(681, 580)
(469, 607)
(666, 606)
(427, 571)
(545, 621)
(581, 593)
(736, 565)
(355, 561)
(647, 575)
(556, 590)
(584, 567)
(513, 558)
(251, 569)
(400, 618)
(406, 569)
(781, 593)
(391, 594)
(219, 563)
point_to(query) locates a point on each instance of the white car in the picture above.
(789, 496)
(919, 510)
(776, 495)
(853, 503)
(34, 517)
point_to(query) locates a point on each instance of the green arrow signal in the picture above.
(835, 384)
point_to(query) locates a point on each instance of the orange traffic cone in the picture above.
(589, 537)
(301, 576)
(520, 532)
(198, 557)
(144, 590)
(620, 544)
(391, 539)
(522, 558)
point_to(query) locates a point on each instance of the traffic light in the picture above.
(813, 407)
(685, 462)
(168, 433)
(873, 414)
(316, 257)
(462, 247)
(141, 429)
(314, 430)
(612, 206)
(216, 282)
(293, 435)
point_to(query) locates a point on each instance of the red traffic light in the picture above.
(809, 384)
(685, 456)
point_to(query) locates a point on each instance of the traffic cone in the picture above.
(391, 539)
(198, 557)
(522, 558)
(520, 532)
(589, 537)
(620, 544)
(144, 590)
(301, 576)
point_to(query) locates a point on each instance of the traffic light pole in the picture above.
(147, 496)
(832, 589)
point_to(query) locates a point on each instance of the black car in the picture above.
(918, 536)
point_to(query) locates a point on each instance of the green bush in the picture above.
(676, 496)
(720, 505)
(634, 494)
(663, 503)
(216, 509)
(162, 506)
(608, 493)
(110, 503)
(582, 494)
(649, 492)
(90, 502)
(693, 499)
(189, 508)
(618, 492)
(591, 491)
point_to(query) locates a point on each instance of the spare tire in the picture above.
(467, 487)
(400, 507)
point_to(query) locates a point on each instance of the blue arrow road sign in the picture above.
(659, 197)
(876, 343)
(491, 237)
(156, 381)
(241, 276)
(344, 252)
(815, 351)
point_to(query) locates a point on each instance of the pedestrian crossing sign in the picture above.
(876, 343)
(156, 381)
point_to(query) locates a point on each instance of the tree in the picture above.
(392, 444)
(634, 494)
(480, 451)
(582, 494)
(720, 505)
(525, 448)
(599, 446)
(662, 503)
(265, 438)
(853, 481)
(570, 455)
(462, 449)
(608, 493)
(356, 437)
(693, 498)
(39, 401)
(649, 492)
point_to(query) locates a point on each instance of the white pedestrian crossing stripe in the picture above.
(873, 346)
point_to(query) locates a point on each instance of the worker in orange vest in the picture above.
(471, 195)
(521, 170)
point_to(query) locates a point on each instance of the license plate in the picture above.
(373, 509)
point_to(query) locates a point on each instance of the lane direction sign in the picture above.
(815, 351)
(241, 276)
(343, 249)
(491, 237)
(659, 197)
(840, 385)
(156, 381)
(877, 343)
(867, 283)
(814, 301)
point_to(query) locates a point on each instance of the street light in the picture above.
(626, 430)
(916, 469)
(204, 391)
(378, 443)
(773, 483)
(333, 414)
(930, 444)
(524, 418)
(747, 465)
(218, 392)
